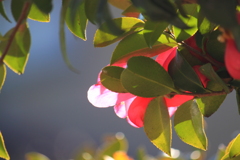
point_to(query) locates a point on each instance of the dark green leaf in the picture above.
(44, 5)
(131, 11)
(62, 37)
(157, 125)
(2, 11)
(91, 8)
(152, 31)
(35, 156)
(204, 25)
(210, 104)
(16, 8)
(3, 73)
(114, 144)
(110, 78)
(135, 45)
(183, 75)
(121, 4)
(146, 78)
(17, 55)
(76, 19)
(238, 99)
(209, 72)
(221, 12)
(104, 37)
(37, 15)
(3, 150)
(188, 124)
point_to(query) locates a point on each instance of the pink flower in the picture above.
(129, 106)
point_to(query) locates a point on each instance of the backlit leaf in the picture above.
(188, 124)
(17, 55)
(135, 45)
(110, 78)
(3, 73)
(121, 4)
(38, 15)
(157, 125)
(204, 25)
(235, 149)
(3, 150)
(2, 11)
(44, 5)
(153, 30)
(144, 77)
(76, 20)
(35, 156)
(129, 25)
(209, 104)
(183, 75)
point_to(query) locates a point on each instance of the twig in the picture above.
(22, 17)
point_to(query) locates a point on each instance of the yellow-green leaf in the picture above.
(35, 156)
(121, 4)
(3, 73)
(38, 15)
(3, 150)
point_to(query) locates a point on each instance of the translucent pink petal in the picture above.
(137, 110)
(99, 96)
(177, 100)
(172, 110)
(123, 103)
(131, 123)
(165, 58)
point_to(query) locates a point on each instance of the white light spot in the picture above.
(86, 156)
(195, 155)
(119, 135)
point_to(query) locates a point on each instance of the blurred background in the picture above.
(46, 109)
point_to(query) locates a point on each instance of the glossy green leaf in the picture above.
(17, 55)
(238, 99)
(44, 5)
(224, 12)
(38, 15)
(146, 78)
(104, 37)
(135, 45)
(183, 75)
(110, 78)
(209, 72)
(157, 125)
(210, 104)
(192, 12)
(16, 8)
(204, 25)
(131, 11)
(3, 73)
(215, 48)
(76, 20)
(188, 124)
(121, 4)
(153, 30)
(62, 37)
(3, 150)
(35, 156)
(2, 11)
(118, 143)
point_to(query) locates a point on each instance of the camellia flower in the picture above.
(129, 106)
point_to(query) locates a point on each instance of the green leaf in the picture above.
(16, 8)
(238, 98)
(121, 4)
(35, 156)
(204, 25)
(110, 78)
(182, 73)
(118, 143)
(91, 8)
(192, 12)
(210, 104)
(235, 149)
(131, 11)
(3, 73)
(2, 12)
(188, 124)
(224, 12)
(76, 19)
(209, 72)
(141, 154)
(62, 37)
(44, 5)
(18, 53)
(220, 153)
(104, 37)
(135, 45)
(153, 30)
(3, 150)
(38, 15)
(146, 78)
(157, 125)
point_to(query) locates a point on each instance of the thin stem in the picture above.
(12, 36)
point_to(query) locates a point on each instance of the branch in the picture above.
(22, 17)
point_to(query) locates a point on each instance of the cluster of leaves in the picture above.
(147, 28)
